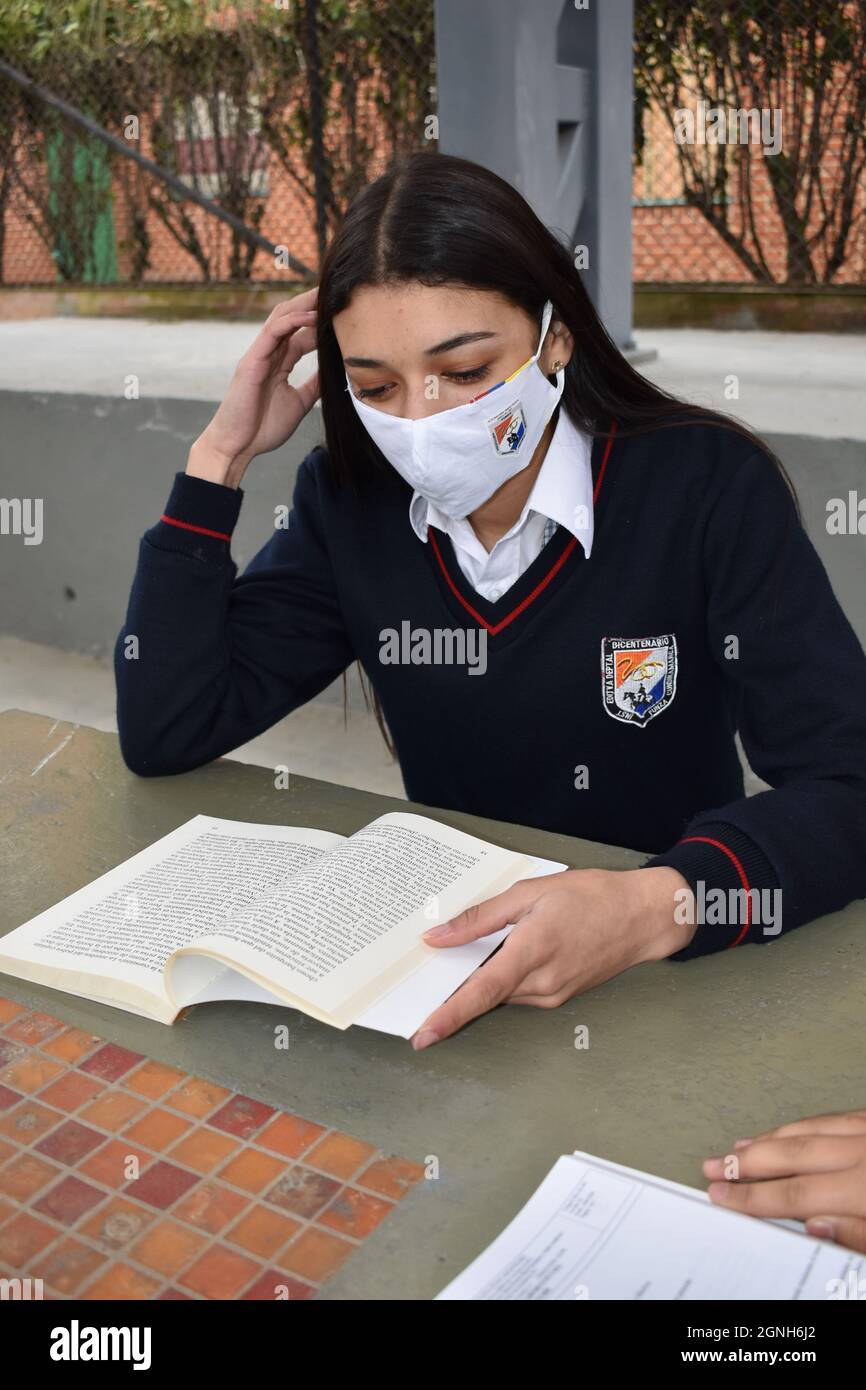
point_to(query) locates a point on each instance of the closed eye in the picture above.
(462, 378)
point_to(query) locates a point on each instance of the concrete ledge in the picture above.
(163, 301)
(780, 308)
(803, 309)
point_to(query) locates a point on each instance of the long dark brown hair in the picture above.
(437, 219)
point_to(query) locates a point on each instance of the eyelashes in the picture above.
(371, 392)
(462, 378)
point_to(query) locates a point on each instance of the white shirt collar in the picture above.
(562, 490)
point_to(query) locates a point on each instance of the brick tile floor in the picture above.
(122, 1178)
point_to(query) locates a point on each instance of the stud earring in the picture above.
(557, 366)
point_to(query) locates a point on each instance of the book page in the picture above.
(112, 937)
(592, 1232)
(404, 1008)
(342, 931)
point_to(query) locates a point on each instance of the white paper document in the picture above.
(595, 1230)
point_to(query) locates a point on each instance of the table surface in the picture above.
(683, 1058)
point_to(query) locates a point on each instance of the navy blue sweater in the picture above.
(613, 686)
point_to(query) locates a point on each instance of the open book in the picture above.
(597, 1230)
(224, 909)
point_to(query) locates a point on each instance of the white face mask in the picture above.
(458, 458)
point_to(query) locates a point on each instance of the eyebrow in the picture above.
(448, 345)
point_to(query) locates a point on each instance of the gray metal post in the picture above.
(542, 94)
(600, 41)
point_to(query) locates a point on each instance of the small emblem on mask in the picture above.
(508, 429)
(638, 676)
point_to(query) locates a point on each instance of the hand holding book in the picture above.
(572, 931)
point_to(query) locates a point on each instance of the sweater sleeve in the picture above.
(797, 675)
(206, 660)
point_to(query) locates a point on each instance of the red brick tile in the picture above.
(117, 1224)
(302, 1192)
(10, 1010)
(71, 1045)
(70, 1091)
(27, 1175)
(152, 1079)
(290, 1135)
(158, 1129)
(111, 1062)
(262, 1231)
(167, 1247)
(6, 1151)
(220, 1273)
(251, 1170)
(119, 1281)
(70, 1142)
(113, 1110)
(391, 1176)
(22, 1239)
(204, 1150)
(31, 1073)
(69, 1264)
(10, 1052)
(162, 1185)
(241, 1116)
(339, 1154)
(197, 1097)
(33, 1028)
(112, 1165)
(69, 1200)
(8, 1097)
(355, 1213)
(29, 1121)
(274, 1286)
(211, 1207)
(315, 1255)
(174, 1296)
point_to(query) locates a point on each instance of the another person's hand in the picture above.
(813, 1171)
(572, 931)
(260, 410)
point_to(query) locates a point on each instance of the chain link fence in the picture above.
(750, 135)
(273, 114)
(750, 141)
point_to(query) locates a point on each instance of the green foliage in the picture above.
(245, 65)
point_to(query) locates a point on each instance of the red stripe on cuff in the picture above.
(705, 840)
(199, 530)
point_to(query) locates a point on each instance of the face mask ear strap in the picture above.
(546, 316)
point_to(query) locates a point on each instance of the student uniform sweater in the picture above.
(614, 685)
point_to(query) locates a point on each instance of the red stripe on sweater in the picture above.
(199, 530)
(705, 840)
(492, 628)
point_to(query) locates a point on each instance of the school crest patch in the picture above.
(638, 676)
(508, 428)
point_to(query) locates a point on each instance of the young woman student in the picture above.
(633, 571)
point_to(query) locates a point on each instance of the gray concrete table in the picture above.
(682, 1058)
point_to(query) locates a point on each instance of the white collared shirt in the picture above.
(561, 494)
